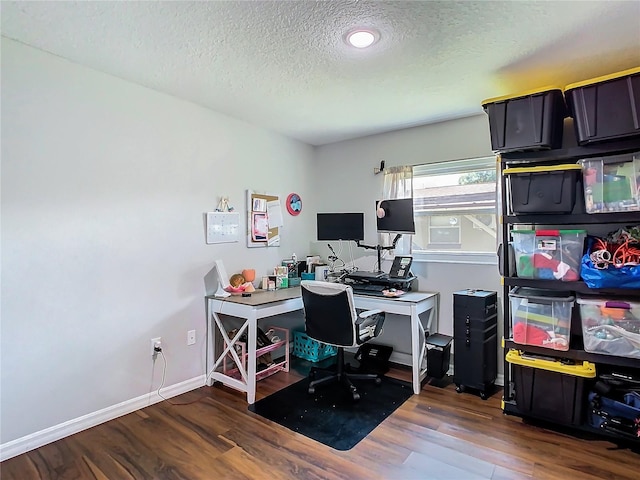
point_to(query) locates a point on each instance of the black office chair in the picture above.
(331, 318)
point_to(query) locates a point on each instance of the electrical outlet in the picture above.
(191, 337)
(155, 342)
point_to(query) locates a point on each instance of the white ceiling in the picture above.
(283, 65)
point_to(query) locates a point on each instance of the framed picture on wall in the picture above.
(264, 220)
(259, 227)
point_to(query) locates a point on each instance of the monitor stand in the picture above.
(379, 249)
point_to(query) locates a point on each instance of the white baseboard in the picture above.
(43, 437)
(401, 358)
(57, 432)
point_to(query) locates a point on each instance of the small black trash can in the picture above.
(438, 354)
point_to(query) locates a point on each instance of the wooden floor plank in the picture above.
(211, 434)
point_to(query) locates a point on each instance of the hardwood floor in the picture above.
(437, 434)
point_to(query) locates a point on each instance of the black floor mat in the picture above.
(330, 416)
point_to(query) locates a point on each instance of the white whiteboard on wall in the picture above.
(223, 227)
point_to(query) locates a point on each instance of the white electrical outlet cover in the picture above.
(153, 345)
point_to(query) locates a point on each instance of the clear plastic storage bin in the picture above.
(541, 317)
(610, 327)
(612, 184)
(549, 254)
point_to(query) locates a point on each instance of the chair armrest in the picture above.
(362, 316)
(369, 324)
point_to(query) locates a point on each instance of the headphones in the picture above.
(380, 213)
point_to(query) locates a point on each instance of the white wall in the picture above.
(345, 170)
(104, 186)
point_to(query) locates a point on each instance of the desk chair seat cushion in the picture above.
(331, 317)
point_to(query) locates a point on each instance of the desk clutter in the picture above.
(241, 283)
(291, 271)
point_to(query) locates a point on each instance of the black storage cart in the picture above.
(475, 340)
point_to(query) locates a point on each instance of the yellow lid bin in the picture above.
(542, 189)
(605, 108)
(531, 120)
(550, 389)
(585, 369)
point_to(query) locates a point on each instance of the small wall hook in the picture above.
(377, 170)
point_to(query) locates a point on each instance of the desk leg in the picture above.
(209, 353)
(416, 360)
(217, 358)
(251, 357)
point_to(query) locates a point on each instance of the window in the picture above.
(455, 211)
(444, 230)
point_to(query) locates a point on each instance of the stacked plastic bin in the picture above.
(543, 190)
(590, 104)
(603, 109)
(549, 254)
(612, 184)
(610, 327)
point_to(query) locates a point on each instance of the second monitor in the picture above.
(397, 216)
(340, 226)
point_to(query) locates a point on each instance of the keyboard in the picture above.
(368, 289)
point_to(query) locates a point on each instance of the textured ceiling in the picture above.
(283, 65)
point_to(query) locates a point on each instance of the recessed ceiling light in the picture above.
(362, 38)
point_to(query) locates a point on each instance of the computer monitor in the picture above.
(340, 226)
(398, 216)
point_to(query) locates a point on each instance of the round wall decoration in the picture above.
(294, 204)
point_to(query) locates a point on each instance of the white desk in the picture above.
(263, 304)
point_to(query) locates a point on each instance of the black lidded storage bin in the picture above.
(543, 189)
(529, 121)
(550, 390)
(605, 108)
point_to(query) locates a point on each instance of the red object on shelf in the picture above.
(529, 335)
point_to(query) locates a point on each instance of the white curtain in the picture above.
(398, 183)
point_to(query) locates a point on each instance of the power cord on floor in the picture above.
(164, 372)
